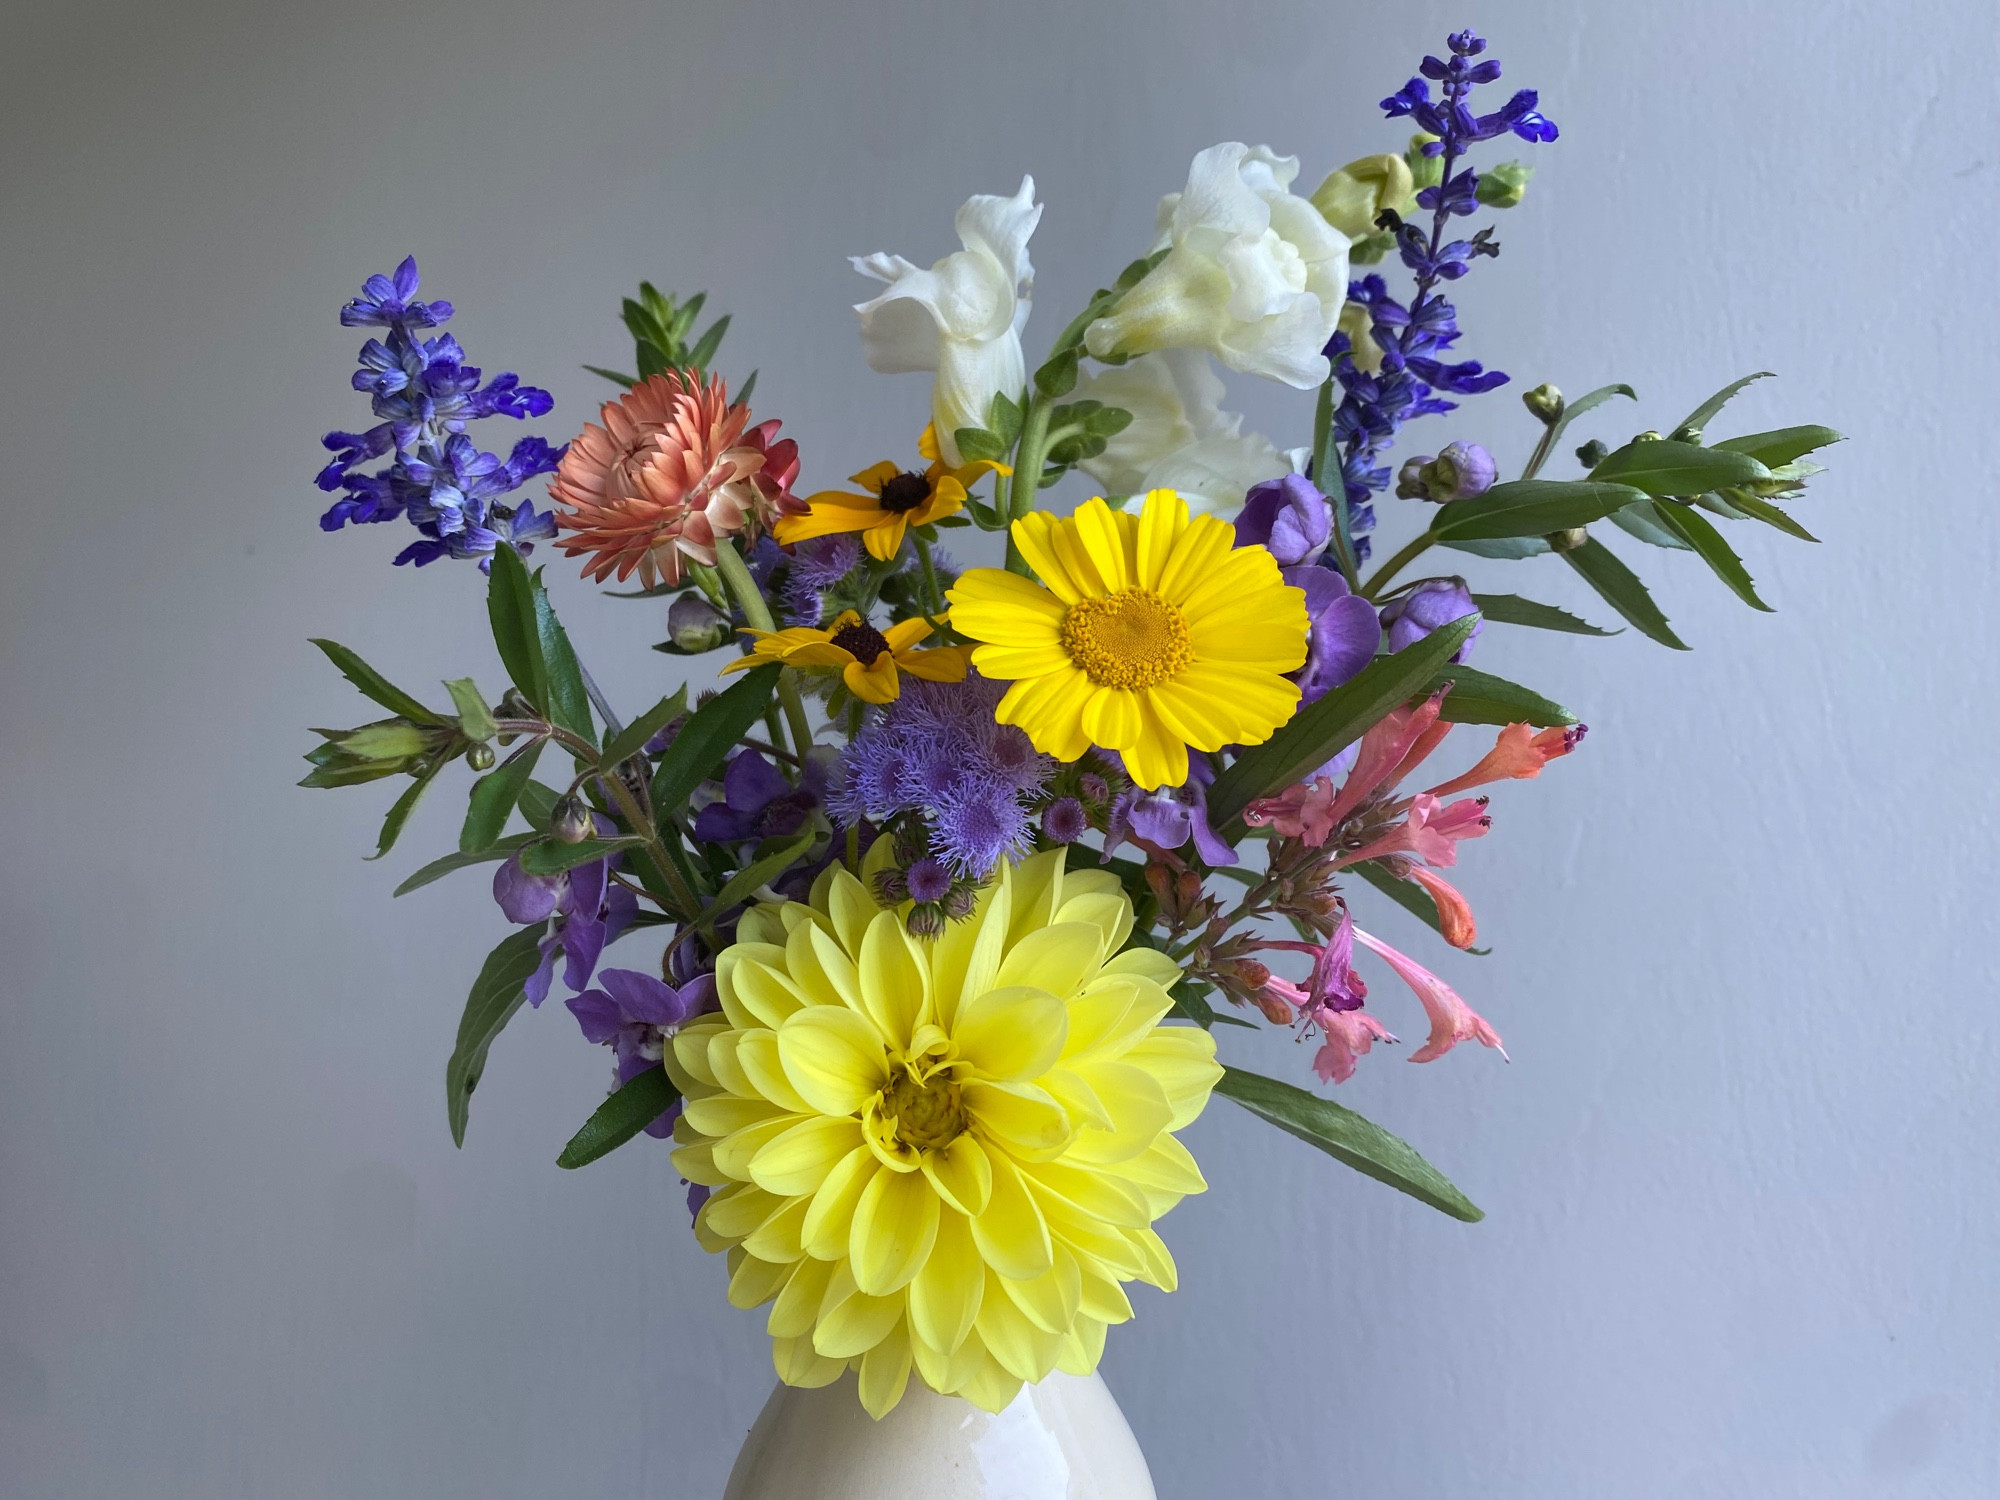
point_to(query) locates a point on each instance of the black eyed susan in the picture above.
(866, 659)
(1147, 634)
(893, 500)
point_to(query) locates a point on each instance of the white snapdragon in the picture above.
(1180, 438)
(963, 317)
(1253, 273)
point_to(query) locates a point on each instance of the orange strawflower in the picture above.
(674, 469)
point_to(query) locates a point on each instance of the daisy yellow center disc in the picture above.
(1134, 639)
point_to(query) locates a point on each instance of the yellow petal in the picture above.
(1050, 1300)
(1108, 537)
(1057, 958)
(991, 1388)
(1196, 553)
(800, 1159)
(1011, 1235)
(821, 969)
(736, 1211)
(906, 633)
(1038, 535)
(757, 1060)
(1160, 1270)
(991, 604)
(945, 664)
(885, 1371)
(895, 981)
(724, 1114)
(762, 990)
(696, 1163)
(799, 1365)
(1049, 709)
(945, 1296)
(1162, 519)
(895, 1223)
(1025, 1119)
(1102, 1300)
(885, 538)
(1006, 663)
(1022, 1349)
(1182, 1059)
(834, 1057)
(1145, 963)
(1110, 912)
(1165, 1167)
(797, 1307)
(873, 478)
(851, 907)
(829, 1219)
(1097, 1193)
(1013, 1032)
(1138, 1108)
(1036, 884)
(856, 1324)
(874, 683)
(961, 1174)
(1082, 1348)
(1111, 718)
(778, 1237)
(734, 1151)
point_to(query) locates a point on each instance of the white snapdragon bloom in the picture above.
(1253, 273)
(963, 317)
(1180, 438)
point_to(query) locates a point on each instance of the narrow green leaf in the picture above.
(1530, 507)
(493, 799)
(1701, 535)
(738, 888)
(1759, 509)
(569, 701)
(1588, 402)
(1641, 519)
(1348, 1138)
(743, 391)
(347, 773)
(1321, 730)
(709, 734)
(1512, 609)
(614, 376)
(510, 609)
(636, 1103)
(437, 869)
(552, 857)
(398, 815)
(1407, 894)
(1481, 698)
(1703, 414)
(1620, 588)
(538, 805)
(1661, 466)
(702, 355)
(1783, 445)
(1509, 548)
(374, 685)
(475, 719)
(496, 995)
(633, 739)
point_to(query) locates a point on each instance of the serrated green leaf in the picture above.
(1481, 698)
(1708, 544)
(1407, 894)
(710, 733)
(1530, 507)
(1703, 414)
(1640, 520)
(1319, 731)
(494, 797)
(632, 739)
(475, 719)
(1620, 588)
(437, 869)
(1661, 466)
(496, 995)
(1512, 609)
(635, 1104)
(1588, 402)
(1763, 510)
(1506, 548)
(374, 685)
(1348, 1138)
(1782, 445)
(510, 609)
(349, 773)
(569, 700)
(552, 857)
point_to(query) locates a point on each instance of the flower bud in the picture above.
(1544, 402)
(959, 903)
(1506, 185)
(1410, 478)
(479, 756)
(1358, 323)
(926, 920)
(1425, 171)
(387, 739)
(1351, 198)
(1431, 605)
(695, 624)
(1591, 454)
(1461, 472)
(571, 822)
(1568, 541)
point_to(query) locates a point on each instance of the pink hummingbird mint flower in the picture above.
(1301, 811)
(1312, 809)
(1517, 755)
(1348, 1036)
(1430, 830)
(1452, 1020)
(1455, 919)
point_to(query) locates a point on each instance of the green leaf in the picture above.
(637, 1103)
(1587, 402)
(1781, 446)
(1480, 698)
(1703, 414)
(1701, 535)
(651, 359)
(1512, 609)
(1620, 588)
(1661, 466)
(538, 805)
(1321, 730)
(552, 857)
(496, 995)
(743, 391)
(494, 796)
(475, 719)
(1763, 510)
(1510, 548)
(1530, 507)
(1057, 378)
(1348, 1138)
(510, 609)
(1005, 415)
(634, 736)
(709, 734)
(976, 443)
(437, 869)
(1407, 894)
(738, 888)
(569, 702)
(702, 355)
(398, 815)
(1641, 519)
(348, 773)
(615, 377)
(374, 685)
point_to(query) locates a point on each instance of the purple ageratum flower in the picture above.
(584, 909)
(636, 1015)
(1170, 817)
(977, 824)
(1341, 634)
(928, 879)
(1431, 605)
(1287, 515)
(757, 802)
(1064, 820)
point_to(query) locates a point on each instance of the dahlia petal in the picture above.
(830, 1217)
(895, 1225)
(895, 982)
(833, 1057)
(1011, 1235)
(945, 1294)
(962, 1175)
(885, 1371)
(800, 1158)
(1026, 1120)
(1011, 1033)
(1050, 1300)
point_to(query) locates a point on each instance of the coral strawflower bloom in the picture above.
(867, 659)
(942, 1155)
(893, 500)
(1148, 634)
(674, 468)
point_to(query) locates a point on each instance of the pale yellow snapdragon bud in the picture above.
(1352, 198)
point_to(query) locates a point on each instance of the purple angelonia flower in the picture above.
(636, 1015)
(1168, 818)
(1342, 632)
(757, 802)
(584, 909)
(1289, 516)
(1431, 605)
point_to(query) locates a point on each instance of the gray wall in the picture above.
(1740, 1173)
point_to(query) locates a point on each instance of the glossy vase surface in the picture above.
(1064, 1439)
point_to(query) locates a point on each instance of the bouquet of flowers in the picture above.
(951, 886)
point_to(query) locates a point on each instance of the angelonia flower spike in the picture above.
(938, 890)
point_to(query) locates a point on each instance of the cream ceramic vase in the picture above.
(1064, 1439)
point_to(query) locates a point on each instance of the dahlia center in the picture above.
(861, 641)
(1134, 639)
(926, 1112)
(905, 492)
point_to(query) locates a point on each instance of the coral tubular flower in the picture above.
(1148, 634)
(893, 500)
(1452, 1020)
(867, 659)
(674, 468)
(943, 1156)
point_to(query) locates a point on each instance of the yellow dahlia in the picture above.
(941, 1155)
(867, 659)
(894, 500)
(1147, 634)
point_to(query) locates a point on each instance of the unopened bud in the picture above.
(925, 920)
(1544, 402)
(1351, 198)
(1591, 454)
(1462, 472)
(1357, 321)
(1648, 436)
(695, 624)
(1568, 541)
(1425, 171)
(959, 902)
(1506, 185)
(479, 756)
(571, 822)
(1410, 478)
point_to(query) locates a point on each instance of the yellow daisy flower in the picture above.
(948, 1155)
(1153, 633)
(867, 659)
(895, 500)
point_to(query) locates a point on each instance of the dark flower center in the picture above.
(862, 641)
(905, 492)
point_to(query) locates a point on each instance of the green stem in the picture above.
(729, 563)
(931, 590)
(1372, 590)
(1026, 483)
(1325, 465)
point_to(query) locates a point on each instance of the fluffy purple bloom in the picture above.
(584, 910)
(1289, 516)
(928, 879)
(1342, 632)
(1170, 817)
(757, 802)
(1064, 821)
(1431, 605)
(815, 566)
(976, 824)
(635, 1015)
